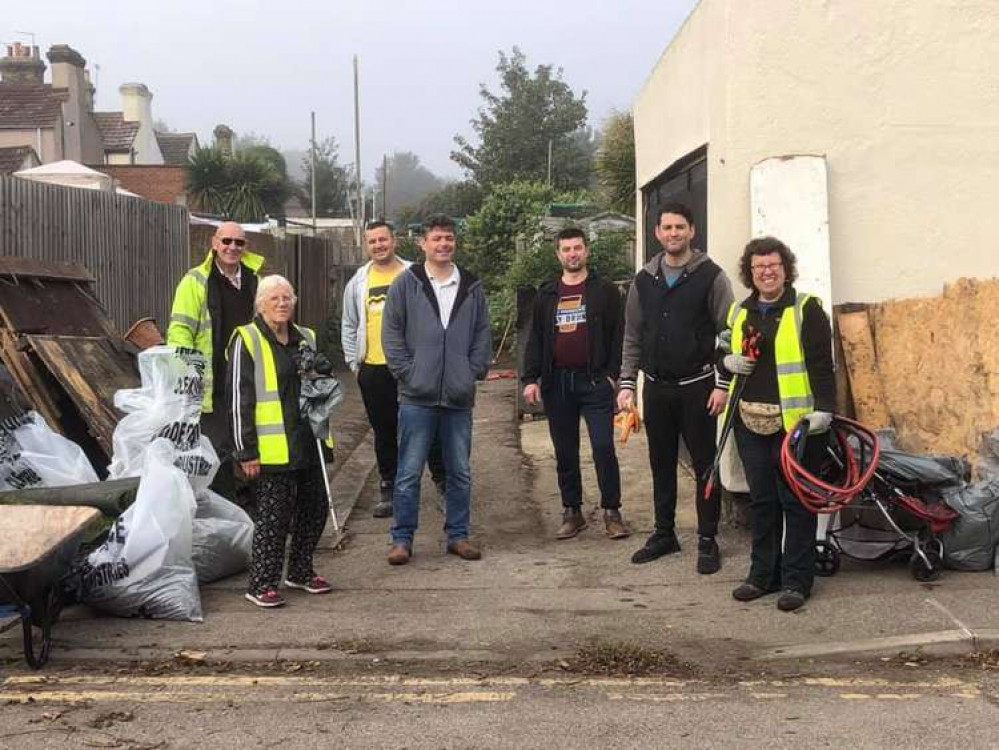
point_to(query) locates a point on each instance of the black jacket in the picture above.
(604, 328)
(242, 400)
(816, 344)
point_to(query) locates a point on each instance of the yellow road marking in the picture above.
(84, 696)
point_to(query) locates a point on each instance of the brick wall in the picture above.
(157, 182)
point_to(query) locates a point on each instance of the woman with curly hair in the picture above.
(788, 377)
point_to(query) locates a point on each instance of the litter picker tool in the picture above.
(750, 348)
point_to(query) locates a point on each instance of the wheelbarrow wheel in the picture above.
(827, 559)
(37, 628)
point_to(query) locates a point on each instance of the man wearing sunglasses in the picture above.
(211, 301)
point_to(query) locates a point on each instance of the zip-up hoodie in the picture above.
(436, 366)
(354, 321)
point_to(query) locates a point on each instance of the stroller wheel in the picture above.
(920, 570)
(826, 559)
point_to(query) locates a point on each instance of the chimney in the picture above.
(223, 139)
(23, 65)
(67, 66)
(137, 106)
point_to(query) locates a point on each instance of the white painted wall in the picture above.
(901, 98)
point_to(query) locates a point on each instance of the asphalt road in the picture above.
(934, 708)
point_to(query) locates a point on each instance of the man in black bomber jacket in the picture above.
(676, 308)
(571, 362)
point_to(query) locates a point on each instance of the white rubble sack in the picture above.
(145, 567)
(167, 405)
(223, 538)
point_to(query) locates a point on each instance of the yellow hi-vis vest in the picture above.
(272, 441)
(793, 386)
(190, 320)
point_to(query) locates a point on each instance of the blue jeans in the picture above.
(418, 426)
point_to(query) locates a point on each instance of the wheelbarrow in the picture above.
(39, 545)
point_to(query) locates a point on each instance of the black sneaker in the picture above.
(656, 546)
(790, 600)
(746, 592)
(383, 508)
(708, 556)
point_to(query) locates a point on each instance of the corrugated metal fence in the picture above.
(136, 249)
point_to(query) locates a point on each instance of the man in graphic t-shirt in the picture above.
(572, 362)
(361, 336)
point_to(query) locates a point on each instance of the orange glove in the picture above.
(628, 422)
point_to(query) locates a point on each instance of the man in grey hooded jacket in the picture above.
(435, 334)
(360, 333)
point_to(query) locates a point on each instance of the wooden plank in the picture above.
(91, 370)
(30, 380)
(862, 365)
(52, 306)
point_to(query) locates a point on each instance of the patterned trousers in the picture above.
(286, 501)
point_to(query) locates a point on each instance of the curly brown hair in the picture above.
(766, 246)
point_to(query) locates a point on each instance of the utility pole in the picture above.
(549, 162)
(313, 162)
(385, 187)
(359, 222)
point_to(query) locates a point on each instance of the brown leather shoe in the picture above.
(464, 549)
(614, 524)
(399, 554)
(573, 522)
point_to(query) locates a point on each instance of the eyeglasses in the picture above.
(237, 241)
(766, 267)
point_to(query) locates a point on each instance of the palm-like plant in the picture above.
(615, 162)
(235, 188)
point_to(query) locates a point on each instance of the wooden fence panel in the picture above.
(137, 250)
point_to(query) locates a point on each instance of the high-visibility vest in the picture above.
(793, 386)
(272, 441)
(190, 320)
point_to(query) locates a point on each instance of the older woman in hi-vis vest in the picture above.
(274, 445)
(789, 376)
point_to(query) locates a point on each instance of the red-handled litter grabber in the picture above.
(751, 349)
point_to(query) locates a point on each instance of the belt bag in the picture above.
(763, 419)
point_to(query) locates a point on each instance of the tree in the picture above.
(615, 162)
(515, 127)
(332, 181)
(277, 191)
(511, 212)
(408, 182)
(455, 199)
(238, 188)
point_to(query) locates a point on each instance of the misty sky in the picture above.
(263, 66)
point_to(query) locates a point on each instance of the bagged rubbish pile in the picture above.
(34, 455)
(972, 543)
(167, 405)
(145, 567)
(178, 532)
(222, 538)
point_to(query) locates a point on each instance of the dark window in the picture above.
(686, 181)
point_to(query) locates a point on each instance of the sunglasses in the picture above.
(237, 241)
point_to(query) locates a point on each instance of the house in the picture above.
(16, 158)
(57, 119)
(900, 100)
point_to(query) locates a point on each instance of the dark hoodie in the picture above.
(670, 332)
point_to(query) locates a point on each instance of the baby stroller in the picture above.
(886, 504)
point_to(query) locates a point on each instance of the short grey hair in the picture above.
(269, 283)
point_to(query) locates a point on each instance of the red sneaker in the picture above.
(317, 585)
(267, 598)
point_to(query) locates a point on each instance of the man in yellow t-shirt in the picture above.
(360, 333)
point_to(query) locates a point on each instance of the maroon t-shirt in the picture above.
(570, 328)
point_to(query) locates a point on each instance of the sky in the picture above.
(262, 67)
